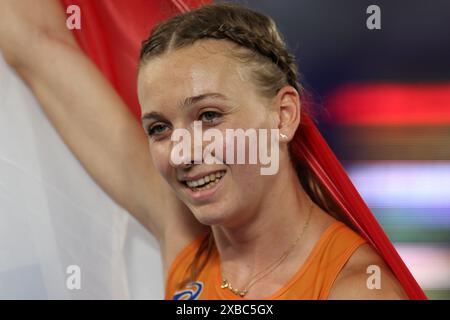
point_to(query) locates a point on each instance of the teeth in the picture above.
(209, 180)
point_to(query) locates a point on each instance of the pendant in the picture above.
(226, 285)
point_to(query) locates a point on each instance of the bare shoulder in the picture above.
(366, 277)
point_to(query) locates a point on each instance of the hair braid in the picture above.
(258, 43)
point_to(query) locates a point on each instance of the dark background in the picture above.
(333, 45)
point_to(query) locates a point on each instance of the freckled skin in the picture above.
(205, 67)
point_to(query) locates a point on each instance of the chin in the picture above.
(211, 215)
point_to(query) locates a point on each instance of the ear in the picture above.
(287, 104)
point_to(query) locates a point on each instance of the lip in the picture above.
(200, 175)
(207, 194)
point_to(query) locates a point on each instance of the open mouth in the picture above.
(205, 182)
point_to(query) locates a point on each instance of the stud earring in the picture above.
(283, 136)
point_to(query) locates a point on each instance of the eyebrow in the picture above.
(187, 102)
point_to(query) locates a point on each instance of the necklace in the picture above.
(226, 284)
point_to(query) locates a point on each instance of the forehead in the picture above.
(206, 66)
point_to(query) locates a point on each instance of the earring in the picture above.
(283, 136)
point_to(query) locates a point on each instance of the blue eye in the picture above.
(209, 116)
(156, 129)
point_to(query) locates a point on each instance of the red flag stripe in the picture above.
(181, 5)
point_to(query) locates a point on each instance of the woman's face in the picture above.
(202, 83)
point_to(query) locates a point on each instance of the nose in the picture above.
(180, 159)
(182, 165)
(186, 149)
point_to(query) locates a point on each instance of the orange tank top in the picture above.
(312, 281)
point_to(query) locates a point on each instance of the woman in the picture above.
(227, 67)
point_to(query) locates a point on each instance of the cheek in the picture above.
(249, 170)
(160, 158)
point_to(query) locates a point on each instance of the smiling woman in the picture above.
(225, 230)
(253, 246)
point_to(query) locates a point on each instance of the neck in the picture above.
(252, 245)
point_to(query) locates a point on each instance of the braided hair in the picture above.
(237, 24)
